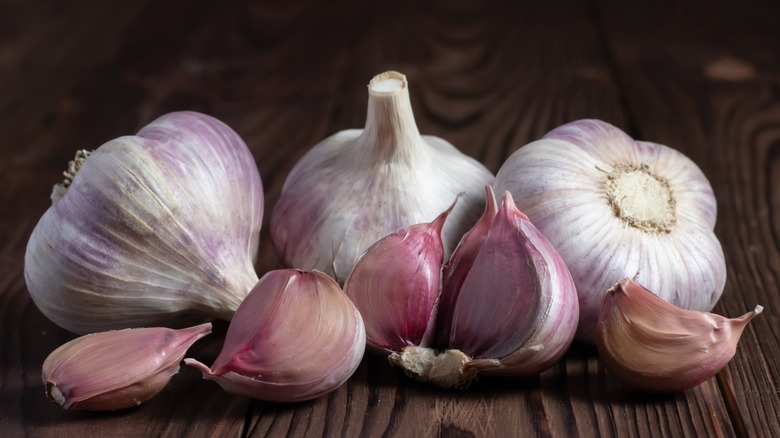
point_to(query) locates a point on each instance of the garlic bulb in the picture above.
(508, 305)
(116, 369)
(358, 186)
(295, 337)
(614, 207)
(160, 228)
(651, 345)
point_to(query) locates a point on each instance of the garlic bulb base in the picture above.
(448, 369)
(641, 198)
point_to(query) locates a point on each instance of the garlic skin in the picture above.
(119, 369)
(295, 337)
(159, 228)
(357, 186)
(614, 207)
(508, 305)
(650, 345)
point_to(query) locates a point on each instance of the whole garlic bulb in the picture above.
(295, 337)
(159, 228)
(357, 186)
(615, 207)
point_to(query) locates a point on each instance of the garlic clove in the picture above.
(457, 267)
(358, 186)
(516, 311)
(295, 337)
(116, 369)
(651, 345)
(395, 284)
(160, 228)
(614, 207)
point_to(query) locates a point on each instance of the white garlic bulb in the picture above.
(614, 207)
(357, 186)
(159, 228)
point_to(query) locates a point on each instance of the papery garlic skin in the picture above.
(295, 337)
(614, 207)
(650, 345)
(358, 186)
(116, 369)
(159, 228)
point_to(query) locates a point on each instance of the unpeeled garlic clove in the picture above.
(359, 185)
(395, 284)
(116, 369)
(295, 337)
(515, 312)
(650, 345)
(158, 228)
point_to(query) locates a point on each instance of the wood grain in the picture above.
(488, 77)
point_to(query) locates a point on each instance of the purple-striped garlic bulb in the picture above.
(295, 337)
(615, 207)
(359, 185)
(504, 303)
(156, 229)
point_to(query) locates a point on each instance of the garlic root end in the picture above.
(448, 369)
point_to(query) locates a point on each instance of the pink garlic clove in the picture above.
(651, 345)
(116, 369)
(516, 312)
(295, 337)
(395, 284)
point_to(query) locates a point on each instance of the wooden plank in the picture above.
(707, 85)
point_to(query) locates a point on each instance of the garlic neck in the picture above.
(73, 167)
(641, 198)
(390, 133)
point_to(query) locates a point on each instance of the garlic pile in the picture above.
(651, 345)
(116, 369)
(614, 207)
(159, 228)
(295, 337)
(508, 305)
(357, 186)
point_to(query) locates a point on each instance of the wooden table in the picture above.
(487, 76)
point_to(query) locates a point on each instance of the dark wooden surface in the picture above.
(703, 77)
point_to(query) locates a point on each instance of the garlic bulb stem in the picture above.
(390, 123)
